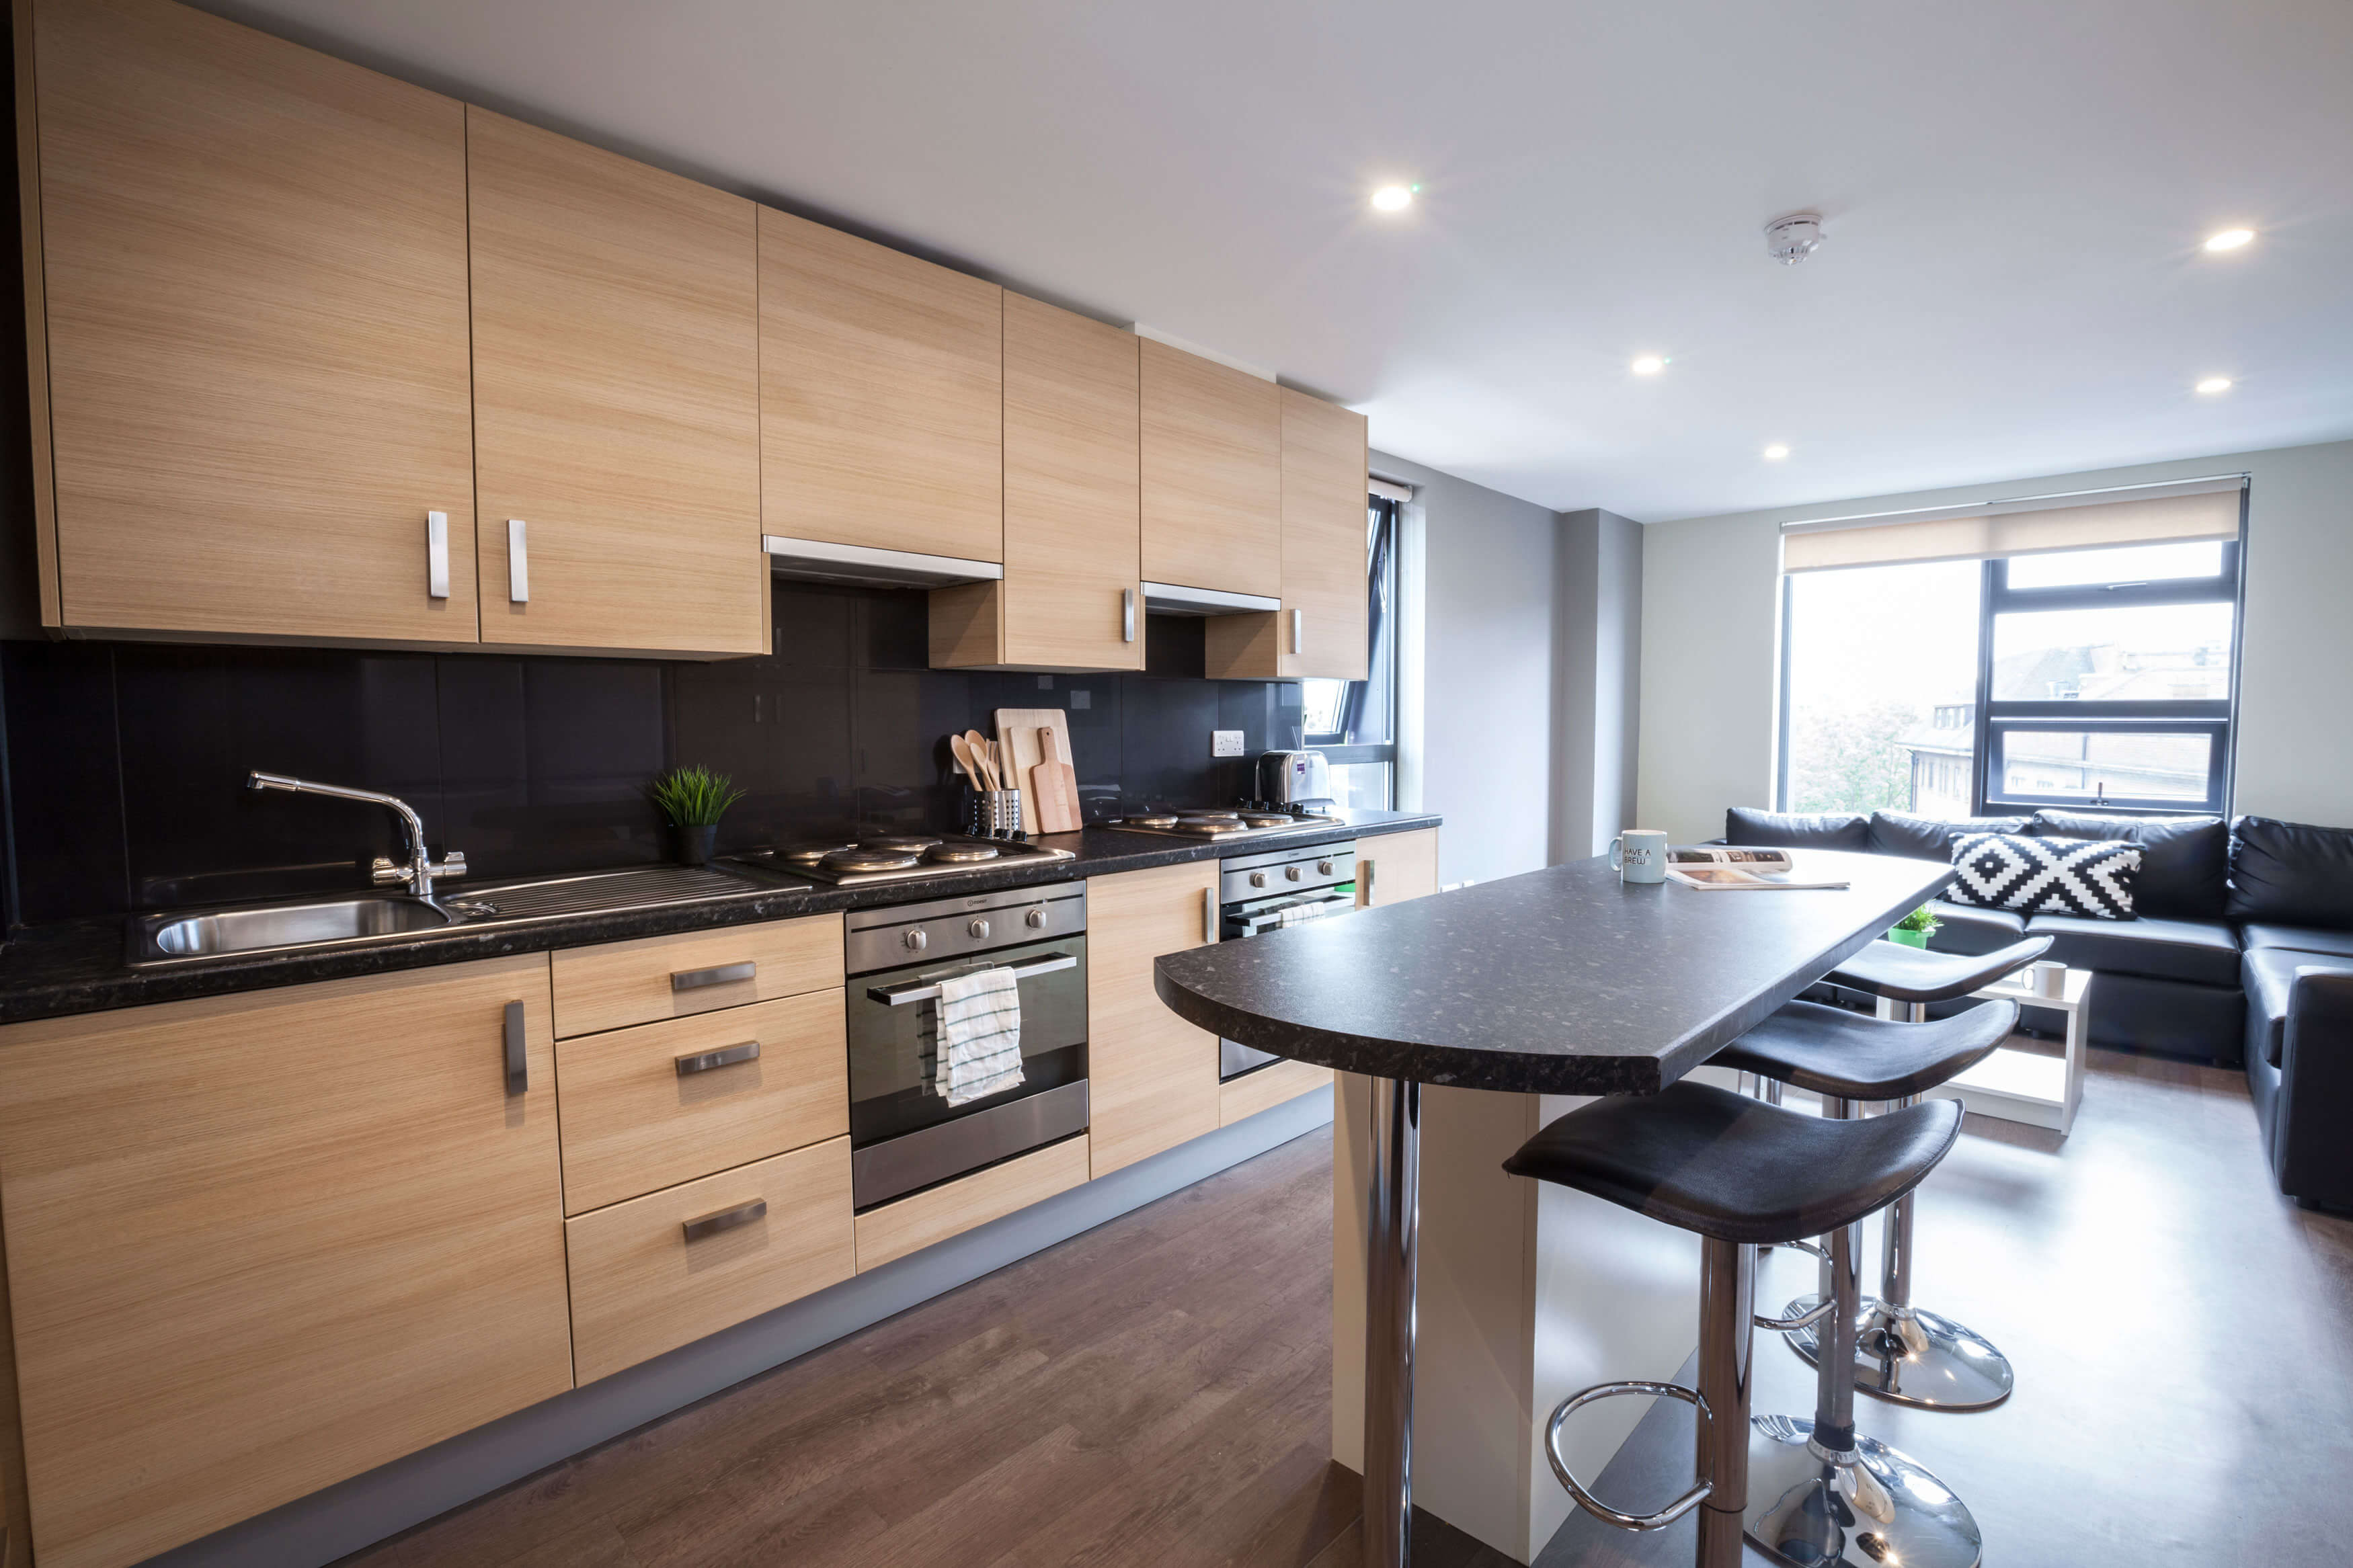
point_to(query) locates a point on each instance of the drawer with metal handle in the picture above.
(626, 982)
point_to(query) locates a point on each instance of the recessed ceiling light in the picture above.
(1776, 452)
(2214, 383)
(1648, 364)
(2229, 239)
(1394, 198)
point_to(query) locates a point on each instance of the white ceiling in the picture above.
(2015, 192)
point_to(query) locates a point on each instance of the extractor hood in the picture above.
(816, 560)
(1173, 599)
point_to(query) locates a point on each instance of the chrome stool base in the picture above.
(1920, 1360)
(1872, 1507)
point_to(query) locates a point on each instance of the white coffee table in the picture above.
(2026, 1086)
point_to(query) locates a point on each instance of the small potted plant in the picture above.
(694, 798)
(1914, 929)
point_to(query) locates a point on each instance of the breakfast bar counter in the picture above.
(1465, 1020)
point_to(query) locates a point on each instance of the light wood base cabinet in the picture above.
(1152, 1077)
(1268, 1087)
(259, 1244)
(624, 983)
(1393, 866)
(892, 1230)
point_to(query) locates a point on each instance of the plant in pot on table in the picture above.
(694, 799)
(1914, 929)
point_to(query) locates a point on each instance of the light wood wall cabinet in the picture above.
(617, 399)
(1152, 1077)
(1393, 866)
(1212, 475)
(245, 278)
(1071, 597)
(1320, 630)
(881, 391)
(259, 1244)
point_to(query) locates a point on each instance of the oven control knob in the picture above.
(978, 927)
(1035, 919)
(1291, 873)
(917, 940)
(1258, 878)
(1323, 867)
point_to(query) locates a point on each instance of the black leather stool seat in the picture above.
(1704, 1159)
(1829, 1050)
(1904, 974)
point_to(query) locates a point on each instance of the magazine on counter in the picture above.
(1715, 867)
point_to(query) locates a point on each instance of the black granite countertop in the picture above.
(78, 966)
(1558, 982)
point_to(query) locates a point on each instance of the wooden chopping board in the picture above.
(1056, 784)
(1017, 739)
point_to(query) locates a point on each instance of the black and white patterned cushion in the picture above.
(2045, 876)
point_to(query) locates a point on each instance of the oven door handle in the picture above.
(921, 991)
(1255, 925)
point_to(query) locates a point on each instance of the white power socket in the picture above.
(1225, 743)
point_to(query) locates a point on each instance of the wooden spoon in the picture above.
(961, 749)
(979, 747)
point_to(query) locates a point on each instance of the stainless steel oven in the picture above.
(902, 1135)
(1271, 890)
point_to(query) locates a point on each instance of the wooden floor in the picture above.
(1157, 1391)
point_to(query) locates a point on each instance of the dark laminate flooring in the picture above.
(1157, 1390)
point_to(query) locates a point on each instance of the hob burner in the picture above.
(1150, 820)
(899, 843)
(959, 853)
(868, 860)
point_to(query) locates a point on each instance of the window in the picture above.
(1354, 722)
(2095, 678)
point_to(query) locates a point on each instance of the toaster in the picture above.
(1293, 778)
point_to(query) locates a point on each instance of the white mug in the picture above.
(1639, 855)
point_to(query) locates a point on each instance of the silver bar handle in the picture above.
(436, 554)
(1127, 615)
(917, 991)
(711, 1224)
(518, 564)
(1364, 883)
(518, 1058)
(1209, 916)
(1298, 629)
(725, 1056)
(717, 974)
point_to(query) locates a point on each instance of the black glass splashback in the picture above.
(127, 760)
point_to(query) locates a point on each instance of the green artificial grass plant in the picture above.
(694, 797)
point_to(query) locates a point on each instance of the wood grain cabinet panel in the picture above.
(617, 399)
(641, 1284)
(624, 983)
(259, 1244)
(1152, 1077)
(881, 395)
(1320, 630)
(892, 1230)
(1270, 1085)
(1071, 597)
(253, 267)
(1212, 463)
(1393, 866)
(646, 1107)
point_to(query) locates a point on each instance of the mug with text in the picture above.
(1639, 855)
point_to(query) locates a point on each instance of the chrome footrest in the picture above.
(1595, 1506)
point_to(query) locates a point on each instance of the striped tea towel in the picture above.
(979, 1034)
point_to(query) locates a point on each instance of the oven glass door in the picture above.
(1256, 917)
(892, 1045)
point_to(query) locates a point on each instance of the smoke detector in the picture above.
(1792, 236)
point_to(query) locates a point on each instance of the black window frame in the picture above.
(1382, 588)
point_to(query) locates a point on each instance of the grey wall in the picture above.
(1598, 628)
(1709, 657)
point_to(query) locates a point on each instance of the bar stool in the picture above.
(1904, 1355)
(1818, 1487)
(1738, 1172)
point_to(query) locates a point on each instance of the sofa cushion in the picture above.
(1966, 929)
(2045, 876)
(2269, 975)
(2204, 952)
(1931, 837)
(2290, 873)
(2185, 861)
(1791, 830)
(2302, 939)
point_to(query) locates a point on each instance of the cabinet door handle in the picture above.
(724, 1219)
(518, 564)
(436, 554)
(1364, 884)
(717, 974)
(1127, 615)
(1298, 629)
(518, 1061)
(1209, 915)
(725, 1056)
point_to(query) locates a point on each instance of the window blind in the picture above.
(2148, 514)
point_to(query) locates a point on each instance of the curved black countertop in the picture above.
(78, 966)
(1558, 982)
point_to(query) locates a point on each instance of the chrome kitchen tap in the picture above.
(422, 869)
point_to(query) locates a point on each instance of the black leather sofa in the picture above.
(2242, 955)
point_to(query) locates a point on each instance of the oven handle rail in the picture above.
(922, 991)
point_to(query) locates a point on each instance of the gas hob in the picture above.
(866, 859)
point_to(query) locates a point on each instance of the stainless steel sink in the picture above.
(225, 932)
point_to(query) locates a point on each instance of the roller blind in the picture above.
(2155, 514)
(1388, 490)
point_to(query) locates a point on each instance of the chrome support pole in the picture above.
(1392, 1217)
(1896, 1244)
(1728, 1300)
(1842, 1280)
